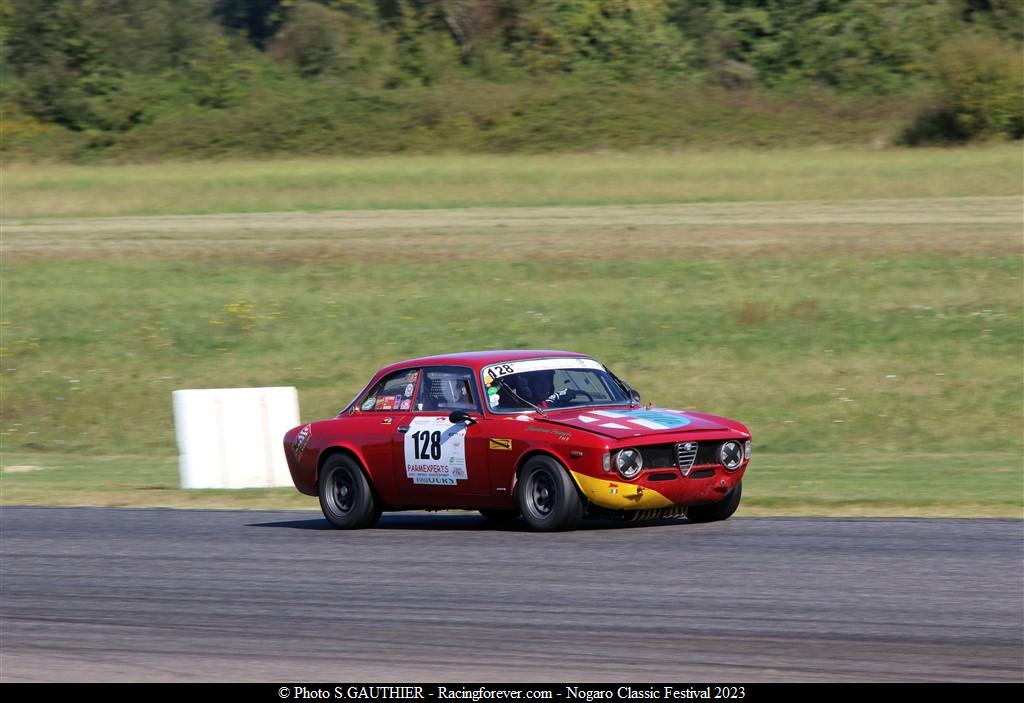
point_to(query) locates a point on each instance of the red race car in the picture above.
(550, 435)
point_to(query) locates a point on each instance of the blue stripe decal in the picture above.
(668, 420)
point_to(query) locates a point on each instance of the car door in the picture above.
(437, 462)
(373, 427)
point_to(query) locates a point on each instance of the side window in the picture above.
(447, 388)
(392, 393)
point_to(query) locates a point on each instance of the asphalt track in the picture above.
(171, 595)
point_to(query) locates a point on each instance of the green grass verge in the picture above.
(815, 354)
(981, 484)
(464, 181)
(852, 337)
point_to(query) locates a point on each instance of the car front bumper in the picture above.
(654, 489)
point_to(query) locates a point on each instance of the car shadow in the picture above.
(460, 522)
(313, 524)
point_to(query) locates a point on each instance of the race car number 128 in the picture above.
(427, 444)
(435, 451)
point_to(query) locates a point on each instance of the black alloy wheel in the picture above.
(547, 496)
(346, 497)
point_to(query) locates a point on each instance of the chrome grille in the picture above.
(686, 453)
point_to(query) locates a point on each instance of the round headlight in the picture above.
(628, 462)
(731, 455)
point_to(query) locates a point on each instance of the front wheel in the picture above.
(547, 496)
(722, 510)
(346, 498)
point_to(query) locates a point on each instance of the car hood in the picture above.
(623, 422)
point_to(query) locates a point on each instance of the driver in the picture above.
(536, 387)
(540, 387)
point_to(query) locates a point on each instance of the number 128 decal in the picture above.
(427, 445)
(435, 451)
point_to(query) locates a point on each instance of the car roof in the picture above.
(478, 359)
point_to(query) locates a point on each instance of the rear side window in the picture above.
(392, 393)
(447, 388)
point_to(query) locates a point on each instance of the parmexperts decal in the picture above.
(435, 451)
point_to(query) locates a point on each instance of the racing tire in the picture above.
(547, 496)
(346, 497)
(499, 517)
(722, 510)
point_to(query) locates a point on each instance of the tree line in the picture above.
(111, 66)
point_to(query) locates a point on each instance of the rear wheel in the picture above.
(722, 510)
(547, 496)
(346, 498)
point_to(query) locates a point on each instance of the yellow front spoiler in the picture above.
(617, 495)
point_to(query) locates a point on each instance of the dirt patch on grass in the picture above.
(814, 228)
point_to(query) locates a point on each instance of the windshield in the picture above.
(516, 386)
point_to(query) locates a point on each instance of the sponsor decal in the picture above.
(493, 401)
(504, 444)
(488, 380)
(387, 421)
(434, 481)
(492, 391)
(368, 403)
(562, 434)
(398, 401)
(388, 403)
(409, 389)
(406, 404)
(301, 440)
(511, 367)
(379, 405)
(435, 451)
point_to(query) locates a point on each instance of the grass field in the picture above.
(463, 181)
(873, 345)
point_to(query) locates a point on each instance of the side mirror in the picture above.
(458, 416)
(634, 395)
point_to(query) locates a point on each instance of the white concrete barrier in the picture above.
(231, 437)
